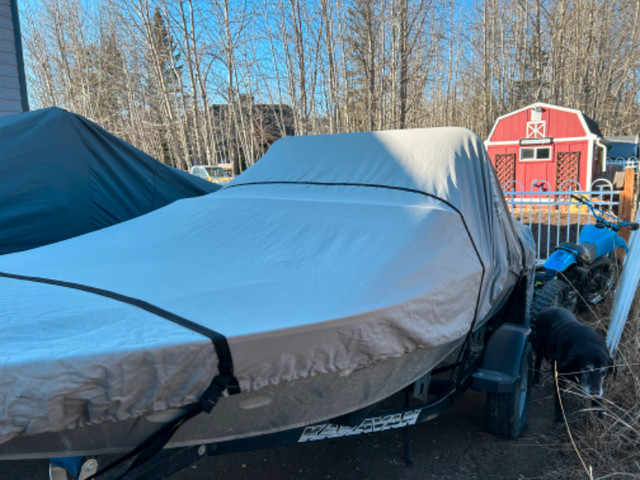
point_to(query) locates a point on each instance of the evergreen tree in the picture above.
(363, 24)
(109, 68)
(533, 86)
(163, 86)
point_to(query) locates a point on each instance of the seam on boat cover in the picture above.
(225, 362)
(387, 187)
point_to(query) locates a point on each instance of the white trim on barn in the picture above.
(536, 157)
(590, 159)
(536, 130)
(556, 139)
(535, 106)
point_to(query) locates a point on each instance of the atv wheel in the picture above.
(602, 280)
(508, 411)
(554, 293)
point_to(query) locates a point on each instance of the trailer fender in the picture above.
(500, 370)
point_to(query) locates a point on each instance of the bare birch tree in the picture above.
(196, 81)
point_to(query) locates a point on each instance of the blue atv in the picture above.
(580, 274)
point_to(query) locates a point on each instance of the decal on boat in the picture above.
(370, 425)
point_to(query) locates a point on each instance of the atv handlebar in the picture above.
(612, 221)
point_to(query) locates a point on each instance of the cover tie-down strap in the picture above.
(224, 380)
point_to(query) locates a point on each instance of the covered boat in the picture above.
(337, 270)
(62, 175)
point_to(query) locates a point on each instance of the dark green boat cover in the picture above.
(62, 175)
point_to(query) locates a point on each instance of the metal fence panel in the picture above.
(553, 216)
(623, 162)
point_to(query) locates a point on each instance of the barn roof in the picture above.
(593, 126)
(590, 125)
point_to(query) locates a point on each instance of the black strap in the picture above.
(219, 341)
(464, 350)
(348, 184)
(153, 444)
(225, 380)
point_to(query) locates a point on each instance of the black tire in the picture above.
(507, 412)
(554, 293)
(603, 278)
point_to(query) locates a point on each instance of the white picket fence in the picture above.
(553, 216)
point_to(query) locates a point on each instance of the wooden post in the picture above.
(626, 201)
(625, 209)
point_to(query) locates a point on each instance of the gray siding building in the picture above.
(13, 90)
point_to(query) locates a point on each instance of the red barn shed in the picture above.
(546, 142)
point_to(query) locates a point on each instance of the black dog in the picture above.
(579, 352)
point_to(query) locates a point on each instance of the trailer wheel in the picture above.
(508, 411)
(554, 293)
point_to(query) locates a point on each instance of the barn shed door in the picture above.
(567, 168)
(506, 168)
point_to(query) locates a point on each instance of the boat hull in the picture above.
(267, 410)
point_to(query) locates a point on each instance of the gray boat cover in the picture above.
(331, 253)
(62, 176)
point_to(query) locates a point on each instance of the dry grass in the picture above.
(610, 446)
